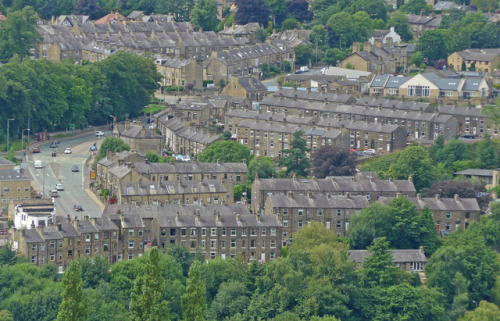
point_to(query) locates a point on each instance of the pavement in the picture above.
(58, 170)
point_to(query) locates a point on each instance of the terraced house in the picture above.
(475, 59)
(297, 211)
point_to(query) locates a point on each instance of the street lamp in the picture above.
(8, 120)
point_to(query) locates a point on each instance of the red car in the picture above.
(36, 149)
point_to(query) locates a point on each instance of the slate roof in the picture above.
(272, 127)
(176, 63)
(51, 233)
(440, 204)
(358, 125)
(379, 81)
(69, 230)
(171, 187)
(32, 236)
(120, 171)
(251, 84)
(330, 185)
(472, 84)
(427, 21)
(12, 175)
(318, 96)
(148, 211)
(253, 52)
(85, 226)
(190, 168)
(475, 172)
(223, 220)
(135, 131)
(460, 111)
(317, 201)
(446, 5)
(398, 256)
(397, 104)
(479, 54)
(181, 130)
(269, 116)
(105, 224)
(237, 29)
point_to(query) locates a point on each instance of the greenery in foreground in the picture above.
(315, 281)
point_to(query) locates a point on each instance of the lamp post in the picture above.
(8, 127)
(113, 130)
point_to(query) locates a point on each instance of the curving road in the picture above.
(58, 170)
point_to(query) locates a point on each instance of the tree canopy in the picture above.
(295, 159)
(227, 151)
(333, 161)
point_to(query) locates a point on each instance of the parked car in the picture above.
(302, 69)
(53, 193)
(67, 151)
(74, 168)
(59, 187)
(38, 164)
(36, 149)
(468, 136)
(370, 152)
(99, 133)
(77, 207)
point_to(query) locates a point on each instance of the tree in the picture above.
(260, 34)
(319, 36)
(181, 254)
(333, 161)
(286, 66)
(88, 7)
(417, 59)
(204, 15)
(290, 24)
(263, 167)
(376, 8)
(193, 301)
(400, 23)
(334, 56)
(7, 256)
(485, 311)
(299, 9)
(146, 302)
(225, 151)
(487, 155)
(435, 44)
(303, 55)
(6, 316)
(18, 34)
(414, 161)
(295, 158)
(415, 7)
(350, 66)
(252, 11)
(74, 305)
(378, 269)
(428, 237)
(277, 8)
(231, 299)
(94, 271)
(112, 144)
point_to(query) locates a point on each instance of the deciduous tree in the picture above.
(74, 305)
(295, 158)
(333, 161)
(414, 161)
(252, 11)
(225, 151)
(204, 15)
(18, 33)
(193, 301)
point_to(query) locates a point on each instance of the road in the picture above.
(58, 170)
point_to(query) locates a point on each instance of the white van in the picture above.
(38, 164)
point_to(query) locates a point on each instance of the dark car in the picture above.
(54, 145)
(78, 207)
(468, 136)
(36, 149)
(74, 168)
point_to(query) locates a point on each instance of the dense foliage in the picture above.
(315, 282)
(333, 161)
(226, 151)
(59, 94)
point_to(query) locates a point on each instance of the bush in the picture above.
(173, 88)
(208, 81)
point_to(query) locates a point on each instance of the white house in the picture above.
(34, 214)
(384, 35)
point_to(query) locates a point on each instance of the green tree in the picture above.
(193, 301)
(486, 153)
(260, 34)
(417, 59)
(375, 8)
(7, 256)
(400, 23)
(414, 161)
(94, 271)
(290, 24)
(204, 15)
(225, 151)
(428, 237)
(146, 302)
(485, 311)
(286, 66)
(435, 44)
(334, 56)
(74, 305)
(461, 299)
(350, 66)
(303, 55)
(378, 269)
(319, 36)
(112, 144)
(232, 298)
(6, 316)
(263, 167)
(181, 254)
(295, 159)
(278, 8)
(415, 7)
(18, 33)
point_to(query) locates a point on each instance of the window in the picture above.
(87, 250)
(339, 224)
(285, 223)
(252, 243)
(183, 232)
(131, 244)
(301, 212)
(448, 226)
(213, 244)
(33, 259)
(273, 231)
(272, 255)
(172, 232)
(105, 247)
(301, 224)
(33, 247)
(285, 211)
(130, 256)
(203, 232)
(216, 200)
(467, 215)
(87, 238)
(224, 231)
(233, 231)
(273, 244)
(233, 243)
(139, 232)
(42, 246)
(448, 215)
(193, 244)
(213, 231)
(192, 232)
(320, 212)
(52, 244)
(131, 233)
(96, 237)
(52, 257)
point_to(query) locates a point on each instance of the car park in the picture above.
(67, 151)
(36, 149)
(59, 187)
(99, 133)
(370, 152)
(77, 207)
(74, 168)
